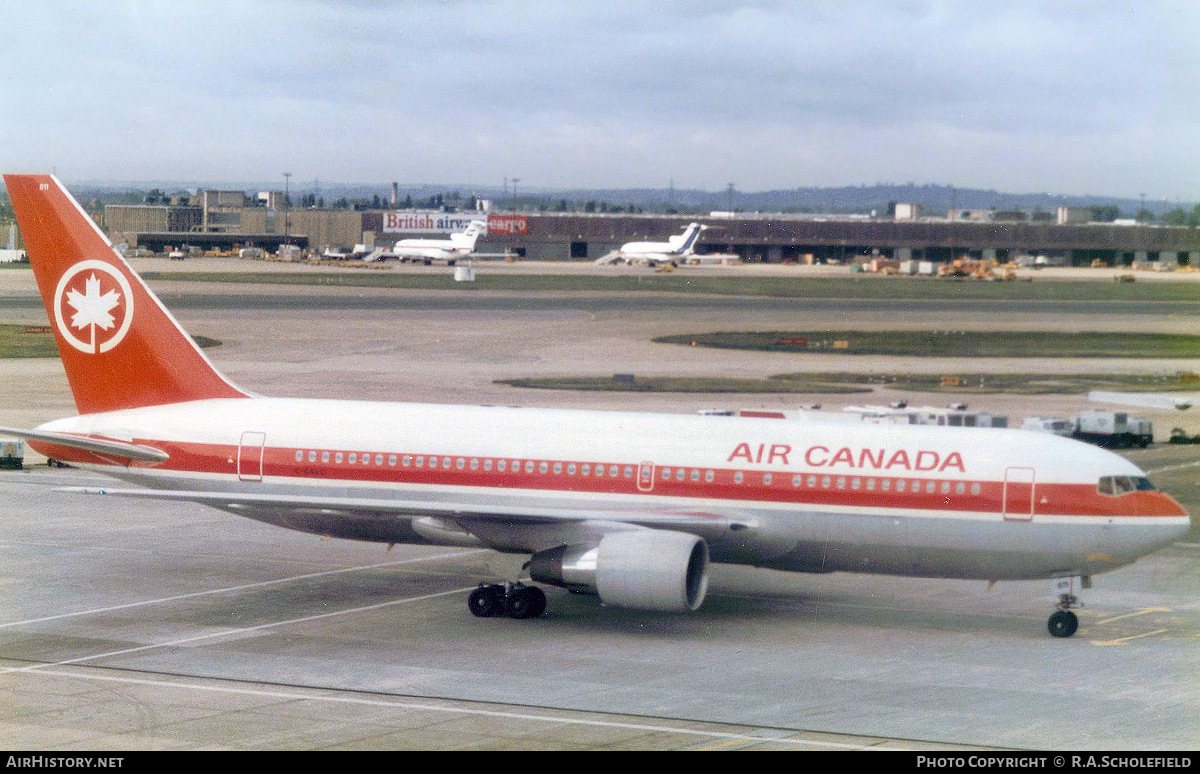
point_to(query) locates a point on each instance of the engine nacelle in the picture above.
(649, 569)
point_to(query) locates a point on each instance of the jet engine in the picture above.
(648, 569)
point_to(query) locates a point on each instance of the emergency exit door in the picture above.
(645, 481)
(250, 455)
(1018, 494)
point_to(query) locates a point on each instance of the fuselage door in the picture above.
(645, 476)
(1018, 493)
(250, 455)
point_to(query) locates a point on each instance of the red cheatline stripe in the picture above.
(807, 488)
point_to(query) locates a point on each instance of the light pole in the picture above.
(287, 179)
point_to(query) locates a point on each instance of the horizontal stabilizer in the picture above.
(129, 451)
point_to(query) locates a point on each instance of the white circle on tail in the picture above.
(90, 296)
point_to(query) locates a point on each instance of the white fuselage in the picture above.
(788, 494)
(457, 246)
(676, 248)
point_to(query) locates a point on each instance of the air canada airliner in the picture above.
(629, 507)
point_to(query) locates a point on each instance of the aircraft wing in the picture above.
(367, 506)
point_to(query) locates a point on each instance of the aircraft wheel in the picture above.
(1063, 623)
(485, 602)
(526, 602)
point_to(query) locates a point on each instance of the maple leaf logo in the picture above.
(92, 307)
(101, 317)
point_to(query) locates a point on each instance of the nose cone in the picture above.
(1157, 503)
(1165, 518)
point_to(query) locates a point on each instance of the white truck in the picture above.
(1113, 429)
(1110, 429)
(12, 453)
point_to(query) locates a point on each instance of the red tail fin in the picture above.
(120, 346)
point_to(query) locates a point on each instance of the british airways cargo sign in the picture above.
(507, 224)
(427, 221)
(438, 222)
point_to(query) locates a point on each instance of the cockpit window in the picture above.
(1119, 485)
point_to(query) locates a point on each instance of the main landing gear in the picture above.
(515, 600)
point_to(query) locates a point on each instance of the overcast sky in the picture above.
(1063, 96)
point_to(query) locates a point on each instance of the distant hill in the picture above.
(860, 199)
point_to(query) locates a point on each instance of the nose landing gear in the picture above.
(1064, 623)
(514, 600)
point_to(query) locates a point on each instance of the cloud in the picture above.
(1069, 96)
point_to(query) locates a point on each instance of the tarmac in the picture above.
(127, 625)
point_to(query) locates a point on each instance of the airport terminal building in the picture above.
(228, 220)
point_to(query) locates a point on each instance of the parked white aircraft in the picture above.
(1157, 400)
(677, 249)
(457, 247)
(629, 506)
